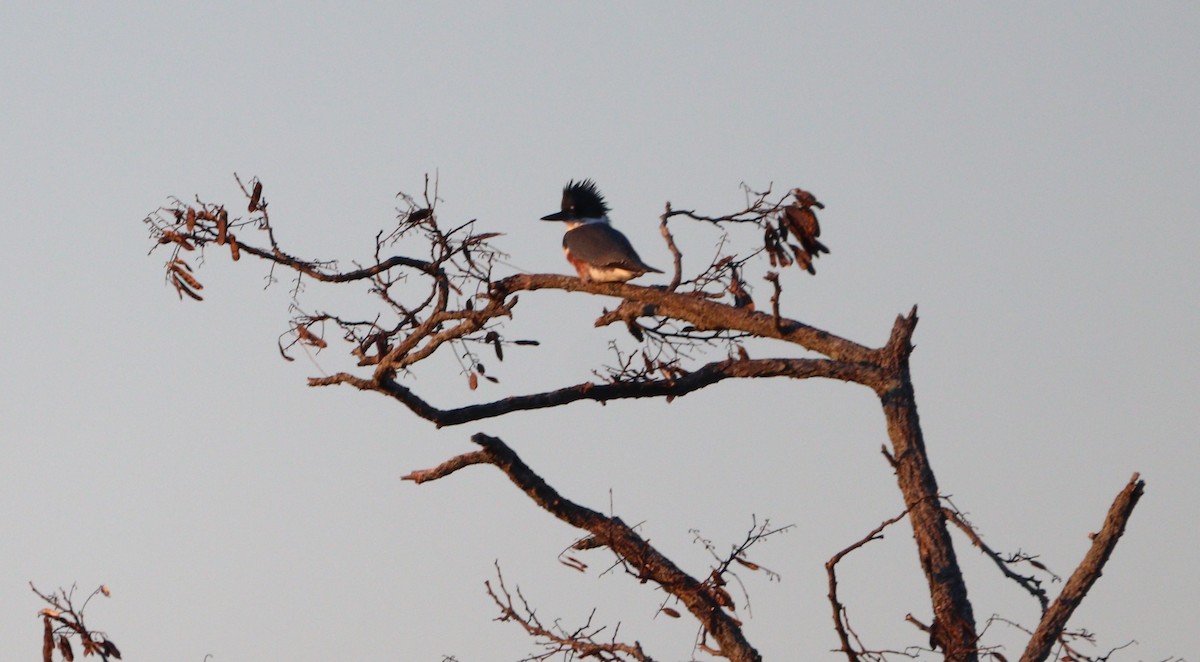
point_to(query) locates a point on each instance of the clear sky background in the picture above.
(1026, 173)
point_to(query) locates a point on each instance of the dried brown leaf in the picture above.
(574, 563)
(47, 640)
(310, 337)
(183, 274)
(169, 236)
(749, 564)
(255, 197)
(184, 289)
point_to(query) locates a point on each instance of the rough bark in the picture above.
(1081, 581)
(954, 620)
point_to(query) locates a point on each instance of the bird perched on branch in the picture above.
(598, 251)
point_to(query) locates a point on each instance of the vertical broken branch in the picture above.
(954, 620)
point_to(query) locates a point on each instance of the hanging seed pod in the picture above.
(184, 289)
(188, 278)
(169, 236)
(573, 563)
(255, 198)
(310, 338)
(47, 641)
(748, 564)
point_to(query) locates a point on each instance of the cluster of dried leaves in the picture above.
(459, 304)
(62, 620)
(443, 298)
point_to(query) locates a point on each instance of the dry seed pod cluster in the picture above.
(204, 224)
(182, 278)
(798, 221)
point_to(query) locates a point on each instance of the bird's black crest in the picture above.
(584, 198)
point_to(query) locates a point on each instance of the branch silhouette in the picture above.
(437, 292)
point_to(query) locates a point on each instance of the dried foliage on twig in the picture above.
(63, 619)
(450, 296)
(441, 298)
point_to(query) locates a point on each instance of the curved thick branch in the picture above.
(693, 381)
(648, 562)
(1081, 581)
(701, 313)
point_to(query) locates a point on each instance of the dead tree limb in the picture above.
(839, 610)
(954, 621)
(647, 562)
(706, 376)
(581, 641)
(1055, 619)
(1030, 583)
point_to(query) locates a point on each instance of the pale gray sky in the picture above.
(1026, 173)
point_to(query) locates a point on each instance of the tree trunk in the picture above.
(953, 628)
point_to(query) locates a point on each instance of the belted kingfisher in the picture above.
(598, 251)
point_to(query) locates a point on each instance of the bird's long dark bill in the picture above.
(557, 216)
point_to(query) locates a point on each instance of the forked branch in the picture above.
(841, 620)
(583, 641)
(645, 561)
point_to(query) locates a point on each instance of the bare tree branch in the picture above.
(693, 381)
(954, 620)
(1055, 619)
(1029, 583)
(840, 620)
(703, 314)
(582, 641)
(647, 562)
